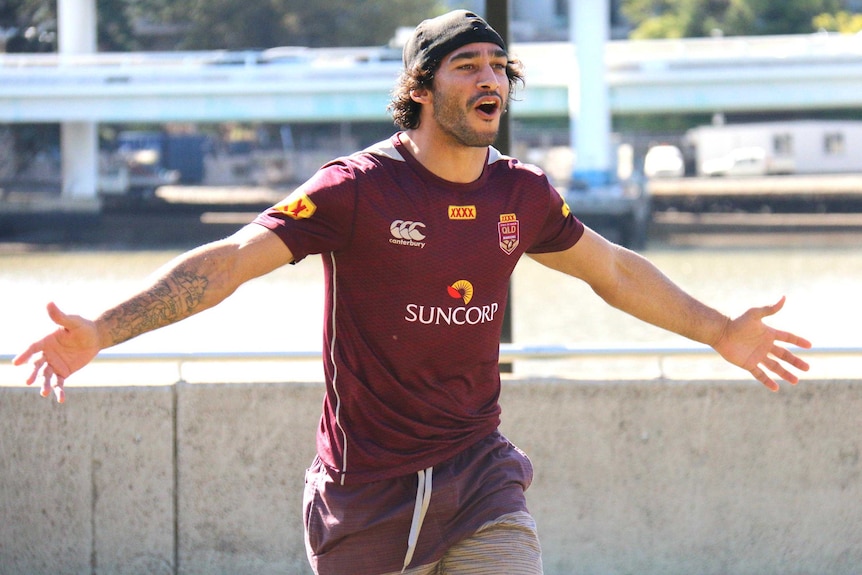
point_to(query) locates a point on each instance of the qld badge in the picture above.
(509, 231)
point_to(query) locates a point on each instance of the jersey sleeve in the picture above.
(317, 217)
(561, 229)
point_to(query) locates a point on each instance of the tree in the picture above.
(228, 24)
(36, 25)
(794, 17)
(115, 30)
(693, 18)
(33, 23)
(843, 22)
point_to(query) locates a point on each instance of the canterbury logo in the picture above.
(462, 212)
(404, 230)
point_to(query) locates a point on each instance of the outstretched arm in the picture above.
(634, 285)
(193, 282)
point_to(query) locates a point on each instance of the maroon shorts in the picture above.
(363, 529)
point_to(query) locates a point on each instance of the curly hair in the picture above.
(405, 111)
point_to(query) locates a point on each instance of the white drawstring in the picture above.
(423, 499)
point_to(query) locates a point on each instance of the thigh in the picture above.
(431, 569)
(508, 545)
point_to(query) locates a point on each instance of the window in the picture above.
(561, 8)
(833, 144)
(782, 144)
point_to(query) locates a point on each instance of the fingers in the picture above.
(34, 374)
(792, 339)
(47, 373)
(773, 309)
(779, 370)
(42, 369)
(56, 315)
(776, 368)
(25, 355)
(779, 359)
(51, 380)
(60, 390)
(788, 357)
(785, 336)
(761, 376)
(772, 363)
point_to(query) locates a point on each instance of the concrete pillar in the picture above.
(589, 110)
(79, 149)
(79, 143)
(76, 26)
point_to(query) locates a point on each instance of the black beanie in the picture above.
(436, 37)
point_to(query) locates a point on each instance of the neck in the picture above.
(445, 159)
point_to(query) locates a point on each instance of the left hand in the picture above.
(752, 345)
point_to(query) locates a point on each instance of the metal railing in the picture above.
(776, 48)
(508, 353)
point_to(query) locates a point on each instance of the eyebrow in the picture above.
(470, 54)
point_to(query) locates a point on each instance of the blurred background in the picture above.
(723, 139)
(720, 138)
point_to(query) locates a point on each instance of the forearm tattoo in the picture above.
(174, 297)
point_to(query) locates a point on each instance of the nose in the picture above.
(488, 78)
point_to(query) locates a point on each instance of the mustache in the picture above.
(473, 101)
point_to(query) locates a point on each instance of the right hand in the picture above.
(754, 346)
(61, 353)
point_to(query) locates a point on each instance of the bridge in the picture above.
(735, 74)
(771, 73)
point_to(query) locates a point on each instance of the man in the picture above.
(419, 235)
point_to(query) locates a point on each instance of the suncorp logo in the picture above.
(407, 233)
(458, 315)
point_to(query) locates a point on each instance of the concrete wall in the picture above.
(631, 477)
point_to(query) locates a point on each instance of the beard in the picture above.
(452, 118)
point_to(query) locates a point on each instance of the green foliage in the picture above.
(31, 25)
(26, 13)
(234, 25)
(661, 26)
(114, 30)
(695, 18)
(842, 22)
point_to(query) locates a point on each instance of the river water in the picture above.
(821, 275)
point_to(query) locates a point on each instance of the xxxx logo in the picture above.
(462, 212)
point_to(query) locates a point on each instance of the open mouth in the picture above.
(488, 106)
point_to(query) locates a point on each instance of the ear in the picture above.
(421, 95)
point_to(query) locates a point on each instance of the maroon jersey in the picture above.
(417, 272)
